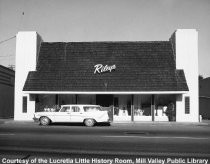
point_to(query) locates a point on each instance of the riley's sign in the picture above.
(99, 68)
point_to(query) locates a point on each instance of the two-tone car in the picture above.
(87, 114)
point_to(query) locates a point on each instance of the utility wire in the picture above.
(7, 39)
(6, 55)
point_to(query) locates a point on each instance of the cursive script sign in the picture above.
(99, 68)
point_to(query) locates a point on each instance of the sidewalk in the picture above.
(203, 123)
(12, 121)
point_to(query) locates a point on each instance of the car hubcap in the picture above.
(89, 122)
(44, 121)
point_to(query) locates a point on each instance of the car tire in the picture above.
(44, 121)
(89, 122)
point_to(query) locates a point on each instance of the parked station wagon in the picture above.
(87, 114)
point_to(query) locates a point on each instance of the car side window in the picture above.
(91, 108)
(65, 109)
(75, 109)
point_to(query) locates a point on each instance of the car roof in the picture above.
(79, 105)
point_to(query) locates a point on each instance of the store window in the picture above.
(122, 108)
(142, 108)
(187, 105)
(92, 108)
(47, 103)
(24, 104)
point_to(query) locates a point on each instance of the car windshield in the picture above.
(91, 108)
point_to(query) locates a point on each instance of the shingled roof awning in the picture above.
(140, 67)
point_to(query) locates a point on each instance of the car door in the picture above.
(63, 115)
(76, 114)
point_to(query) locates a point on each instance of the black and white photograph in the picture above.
(104, 81)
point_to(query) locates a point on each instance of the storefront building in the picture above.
(134, 81)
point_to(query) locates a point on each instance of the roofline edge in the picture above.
(105, 92)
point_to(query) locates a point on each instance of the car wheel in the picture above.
(89, 122)
(44, 121)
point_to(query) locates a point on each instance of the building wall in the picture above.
(204, 87)
(186, 52)
(204, 105)
(7, 77)
(204, 98)
(26, 58)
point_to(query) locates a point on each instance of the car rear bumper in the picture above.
(104, 121)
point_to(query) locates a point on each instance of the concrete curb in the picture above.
(205, 123)
(159, 123)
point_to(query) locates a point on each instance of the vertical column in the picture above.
(56, 99)
(153, 107)
(186, 51)
(26, 56)
(132, 108)
(76, 99)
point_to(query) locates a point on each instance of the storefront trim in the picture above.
(67, 92)
(105, 92)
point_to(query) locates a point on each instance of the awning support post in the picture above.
(153, 107)
(132, 108)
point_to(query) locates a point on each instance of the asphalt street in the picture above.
(118, 140)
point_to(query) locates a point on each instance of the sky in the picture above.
(104, 20)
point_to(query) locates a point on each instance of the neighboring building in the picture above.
(137, 80)
(7, 80)
(204, 98)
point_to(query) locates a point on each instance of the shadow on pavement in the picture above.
(78, 124)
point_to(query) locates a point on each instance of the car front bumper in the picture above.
(36, 119)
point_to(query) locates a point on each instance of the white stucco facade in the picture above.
(27, 45)
(186, 44)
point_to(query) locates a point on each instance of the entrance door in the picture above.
(104, 100)
(165, 108)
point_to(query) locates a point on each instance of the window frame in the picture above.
(72, 110)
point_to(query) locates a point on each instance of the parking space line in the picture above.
(158, 137)
(7, 134)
